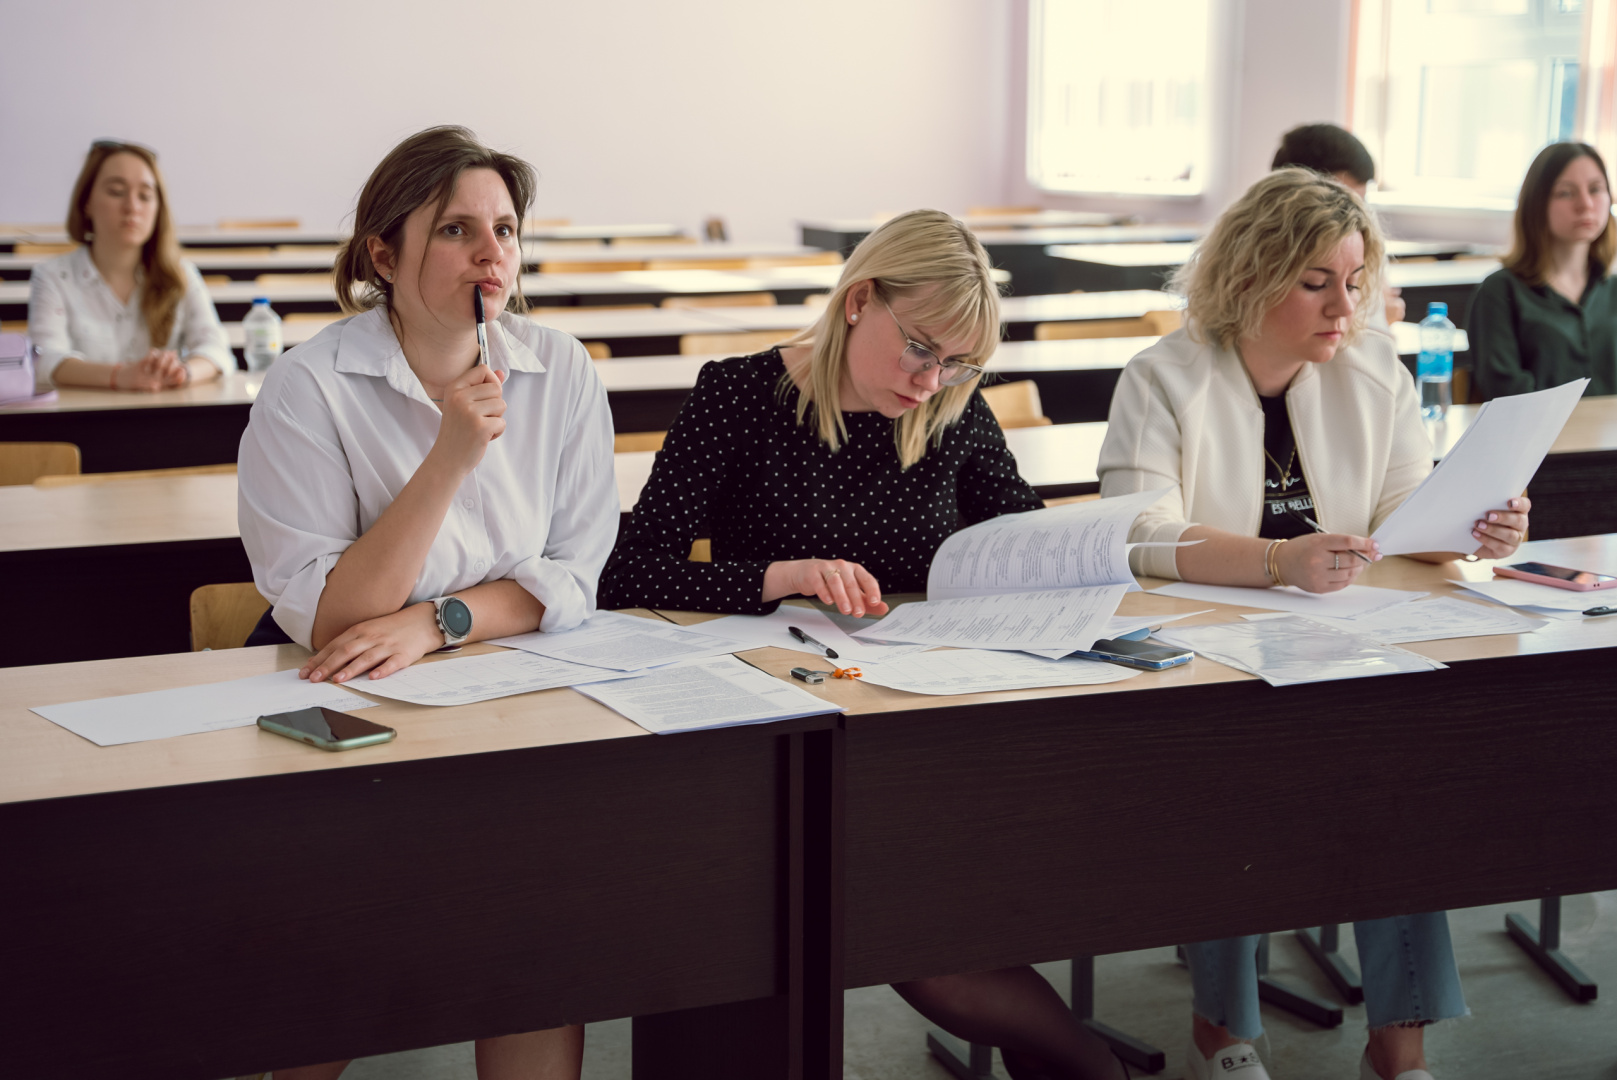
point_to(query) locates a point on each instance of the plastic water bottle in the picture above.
(1434, 371)
(262, 328)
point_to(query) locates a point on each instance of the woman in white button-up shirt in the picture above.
(383, 466)
(123, 311)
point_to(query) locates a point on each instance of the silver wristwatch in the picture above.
(454, 619)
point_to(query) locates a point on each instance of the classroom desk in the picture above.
(117, 431)
(231, 902)
(844, 234)
(1453, 283)
(193, 236)
(1104, 267)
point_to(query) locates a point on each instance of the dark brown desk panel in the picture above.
(225, 928)
(982, 836)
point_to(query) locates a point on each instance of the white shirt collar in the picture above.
(368, 346)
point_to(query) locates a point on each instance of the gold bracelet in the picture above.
(1271, 562)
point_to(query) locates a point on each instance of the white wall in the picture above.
(643, 111)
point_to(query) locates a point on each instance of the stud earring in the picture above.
(853, 318)
(390, 277)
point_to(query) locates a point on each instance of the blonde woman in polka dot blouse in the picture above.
(833, 467)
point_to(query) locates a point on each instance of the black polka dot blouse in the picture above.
(737, 469)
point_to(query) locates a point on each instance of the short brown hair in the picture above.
(421, 169)
(164, 287)
(1529, 255)
(1259, 246)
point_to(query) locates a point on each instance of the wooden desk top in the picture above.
(1057, 455)
(1175, 254)
(979, 222)
(588, 325)
(1107, 234)
(237, 388)
(150, 511)
(1438, 274)
(1592, 427)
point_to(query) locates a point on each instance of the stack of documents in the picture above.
(1294, 649)
(610, 639)
(1348, 603)
(1545, 600)
(1429, 620)
(702, 694)
(470, 679)
(773, 631)
(1044, 580)
(977, 671)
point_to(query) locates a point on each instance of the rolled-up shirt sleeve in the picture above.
(47, 325)
(564, 576)
(197, 323)
(1143, 452)
(297, 511)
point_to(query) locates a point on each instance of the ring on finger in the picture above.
(831, 573)
(1336, 561)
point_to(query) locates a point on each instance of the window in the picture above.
(1117, 96)
(1455, 97)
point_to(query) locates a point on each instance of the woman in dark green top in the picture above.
(1550, 316)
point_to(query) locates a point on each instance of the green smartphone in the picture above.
(326, 728)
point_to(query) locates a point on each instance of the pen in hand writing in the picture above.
(831, 654)
(1317, 527)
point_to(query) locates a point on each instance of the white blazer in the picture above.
(73, 312)
(341, 425)
(1185, 416)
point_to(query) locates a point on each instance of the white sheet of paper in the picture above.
(1516, 593)
(480, 678)
(1061, 547)
(700, 694)
(1052, 619)
(1116, 627)
(610, 639)
(1430, 620)
(1491, 464)
(979, 671)
(1343, 604)
(1294, 649)
(770, 631)
(189, 710)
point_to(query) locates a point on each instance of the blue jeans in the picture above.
(1406, 962)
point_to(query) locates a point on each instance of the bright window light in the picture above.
(1117, 96)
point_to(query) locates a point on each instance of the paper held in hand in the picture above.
(1044, 579)
(1490, 465)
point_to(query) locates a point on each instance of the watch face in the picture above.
(456, 617)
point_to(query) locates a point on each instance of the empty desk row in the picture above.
(213, 236)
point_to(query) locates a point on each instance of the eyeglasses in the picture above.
(122, 144)
(917, 359)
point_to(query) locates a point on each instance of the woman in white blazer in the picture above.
(397, 495)
(1270, 410)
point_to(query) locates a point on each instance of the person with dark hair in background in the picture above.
(1550, 315)
(1337, 153)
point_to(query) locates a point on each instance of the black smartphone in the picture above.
(1151, 655)
(326, 728)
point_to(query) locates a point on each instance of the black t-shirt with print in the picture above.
(1286, 499)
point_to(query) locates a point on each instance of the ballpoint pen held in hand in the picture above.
(1317, 527)
(482, 329)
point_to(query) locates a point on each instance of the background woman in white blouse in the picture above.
(1269, 410)
(123, 311)
(394, 490)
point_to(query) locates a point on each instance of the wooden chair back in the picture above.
(216, 279)
(715, 229)
(818, 258)
(628, 442)
(25, 462)
(44, 249)
(741, 343)
(1151, 324)
(658, 240)
(1016, 404)
(740, 299)
(604, 266)
(261, 223)
(701, 551)
(137, 474)
(696, 264)
(316, 277)
(13, 326)
(223, 615)
(598, 350)
(233, 252)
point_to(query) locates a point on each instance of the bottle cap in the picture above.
(1436, 307)
(265, 301)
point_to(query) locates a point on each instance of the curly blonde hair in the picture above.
(1255, 252)
(923, 255)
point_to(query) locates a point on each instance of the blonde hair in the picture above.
(930, 258)
(164, 287)
(1255, 252)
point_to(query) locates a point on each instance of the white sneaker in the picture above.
(1238, 1062)
(1367, 1071)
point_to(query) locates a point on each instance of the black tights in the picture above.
(1016, 1010)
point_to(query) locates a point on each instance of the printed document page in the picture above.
(1345, 603)
(772, 631)
(700, 694)
(188, 710)
(976, 671)
(1430, 620)
(1062, 547)
(1490, 465)
(610, 639)
(1068, 619)
(480, 678)
(1119, 625)
(1513, 592)
(1294, 649)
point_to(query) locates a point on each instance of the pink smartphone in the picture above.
(1560, 577)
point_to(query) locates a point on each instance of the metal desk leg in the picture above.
(1323, 945)
(968, 1061)
(1299, 1002)
(1543, 943)
(1142, 1055)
